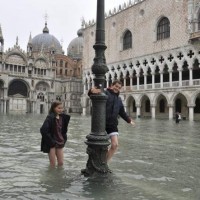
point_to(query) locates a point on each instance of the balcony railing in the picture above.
(175, 84)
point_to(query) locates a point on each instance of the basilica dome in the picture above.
(75, 48)
(46, 42)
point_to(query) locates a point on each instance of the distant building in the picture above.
(30, 81)
(153, 47)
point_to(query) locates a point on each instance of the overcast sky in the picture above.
(22, 17)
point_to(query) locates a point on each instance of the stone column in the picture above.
(35, 106)
(84, 88)
(5, 105)
(145, 81)
(5, 92)
(131, 82)
(107, 83)
(191, 75)
(88, 84)
(138, 111)
(161, 79)
(171, 111)
(191, 112)
(153, 80)
(1, 106)
(153, 111)
(170, 78)
(124, 83)
(138, 82)
(180, 77)
(84, 104)
(92, 83)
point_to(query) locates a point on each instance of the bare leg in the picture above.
(52, 157)
(60, 156)
(113, 148)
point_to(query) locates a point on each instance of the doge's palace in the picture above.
(153, 47)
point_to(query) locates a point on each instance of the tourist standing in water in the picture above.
(54, 133)
(114, 108)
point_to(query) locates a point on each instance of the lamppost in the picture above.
(97, 140)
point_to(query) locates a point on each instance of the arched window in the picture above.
(18, 87)
(127, 40)
(61, 63)
(163, 29)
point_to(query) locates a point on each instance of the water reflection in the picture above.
(157, 159)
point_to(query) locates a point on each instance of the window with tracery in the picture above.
(127, 40)
(163, 29)
(40, 96)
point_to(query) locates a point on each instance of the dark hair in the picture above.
(54, 105)
(117, 81)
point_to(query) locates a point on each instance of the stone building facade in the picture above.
(153, 48)
(31, 80)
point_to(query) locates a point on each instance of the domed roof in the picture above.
(46, 42)
(75, 48)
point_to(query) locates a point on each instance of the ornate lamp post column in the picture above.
(97, 140)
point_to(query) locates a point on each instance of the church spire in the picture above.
(29, 46)
(30, 39)
(1, 41)
(46, 30)
(1, 36)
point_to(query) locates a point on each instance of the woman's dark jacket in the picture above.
(48, 130)
(114, 108)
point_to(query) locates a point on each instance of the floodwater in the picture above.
(156, 160)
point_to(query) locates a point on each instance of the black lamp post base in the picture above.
(97, 163)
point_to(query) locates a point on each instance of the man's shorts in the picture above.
(112, 134)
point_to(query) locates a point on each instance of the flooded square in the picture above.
(158, 159)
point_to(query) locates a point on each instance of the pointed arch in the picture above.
(180, 102)
(131, 106)
(145, 103)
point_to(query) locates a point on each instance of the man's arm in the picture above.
(94, 90)
(124, 115)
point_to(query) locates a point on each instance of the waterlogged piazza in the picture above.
(158, 159)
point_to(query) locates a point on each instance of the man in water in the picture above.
(114, 107)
